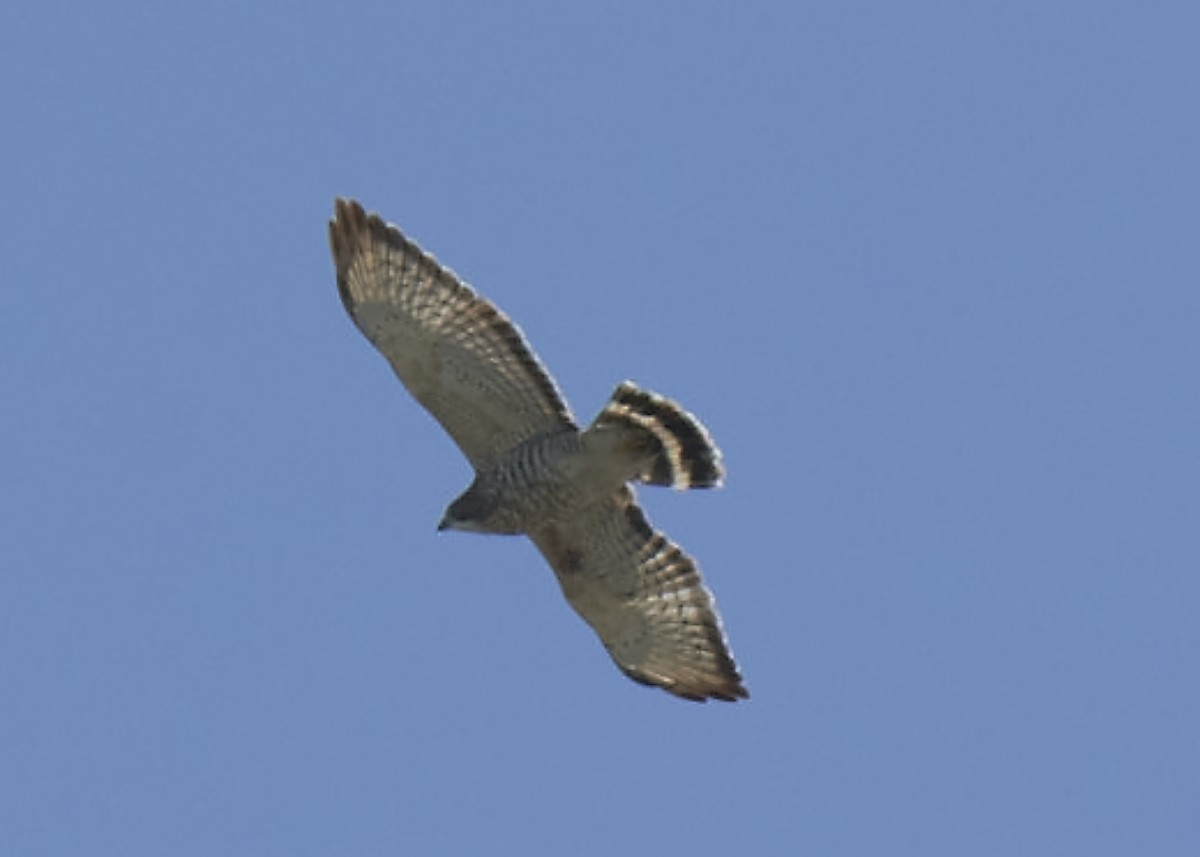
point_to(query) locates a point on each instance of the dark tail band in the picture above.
(680, 452)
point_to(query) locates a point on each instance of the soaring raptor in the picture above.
(536, 472)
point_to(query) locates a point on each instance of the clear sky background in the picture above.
(930, 273)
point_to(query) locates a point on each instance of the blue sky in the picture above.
(928, 272)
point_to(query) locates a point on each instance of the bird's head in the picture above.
(469, 512)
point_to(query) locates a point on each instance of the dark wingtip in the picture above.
(347, 231)
(731, 691)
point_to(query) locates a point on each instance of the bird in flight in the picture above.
(539, 474)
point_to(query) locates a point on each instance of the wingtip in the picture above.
(736, 694)
(729, 689)
(345, 210)
(353, 229)
(727, 693)
(726, 686)
(346, 224)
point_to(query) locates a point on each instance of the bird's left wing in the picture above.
(455, 351)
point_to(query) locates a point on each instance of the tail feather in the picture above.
(671, 445)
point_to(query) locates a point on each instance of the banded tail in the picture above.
(670, 445)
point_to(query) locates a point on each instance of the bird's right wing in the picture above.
(645, 599)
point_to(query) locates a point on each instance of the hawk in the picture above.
(537, 472)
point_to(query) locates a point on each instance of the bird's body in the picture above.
(536, 482)
(537, 472)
